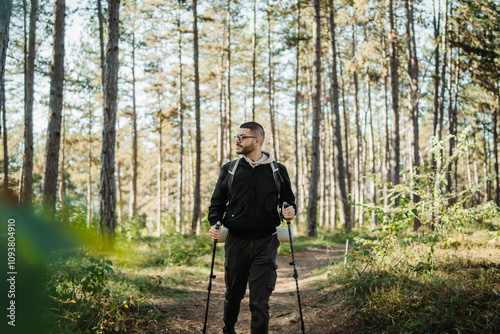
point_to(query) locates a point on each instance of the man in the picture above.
(247, 204)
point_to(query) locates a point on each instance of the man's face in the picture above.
(245, 146)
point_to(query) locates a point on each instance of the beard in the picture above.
(244, 150)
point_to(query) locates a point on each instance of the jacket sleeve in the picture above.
(287, 194)
(218, 203)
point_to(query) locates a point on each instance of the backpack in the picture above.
(274, 166)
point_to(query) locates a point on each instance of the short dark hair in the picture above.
(255, 128)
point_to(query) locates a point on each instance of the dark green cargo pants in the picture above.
(252, 261)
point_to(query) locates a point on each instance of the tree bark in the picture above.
(254, 56)
(223, 146)
(89, 162)
(133, 177)
(55, 110)
(197, 195)
(436, 26)
(495, 156)
(340, 176)
(5, 144)
(180, 220)
(348, 173)
(271, 84)
(357, 198)
(411, 55)
(107, 221)
(228, 83)
(62, 187)
(297, 95)
(160, 175)
(101, 44)
(444, 46)
(394, 110)
(29, 80)
(5, 13)
(316, 122)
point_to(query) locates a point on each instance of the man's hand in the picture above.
(214, 233)
(288, 212)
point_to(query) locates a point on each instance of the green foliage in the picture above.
(424, 286)
(93, 292)
(81, 298)
(441, 278)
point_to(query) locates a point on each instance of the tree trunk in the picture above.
(340, 176)
(5, 13)
(119, 206)
(197, 195)
(101, 44)
(495, 156)
(436, 26)
(160, 175)
(62, 186)
(228, 84)
(271, 84)
(5, 142)
(358, 215)
(107, 222)
(29, 79)
(180, 221)
(89, 162)
(298, 193)
(394, 111)
(371, 146)
(55, 109)
(411, 55)
(452, 128)
(254, 56)
(222, 103)
(133, 177)
(348, 173)
(316, 122)
(444, 45)
(486, 163)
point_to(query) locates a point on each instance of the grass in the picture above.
(449, 286)
(410, 284)
(94, 292)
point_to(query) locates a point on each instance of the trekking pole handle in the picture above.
(286, 206)
(217, 226)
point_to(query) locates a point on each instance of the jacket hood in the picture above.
(266, 159)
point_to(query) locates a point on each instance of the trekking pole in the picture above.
(217, 226)
(295, 275)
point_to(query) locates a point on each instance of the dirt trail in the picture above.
(284, 313)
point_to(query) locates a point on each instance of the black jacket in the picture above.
(251, 210)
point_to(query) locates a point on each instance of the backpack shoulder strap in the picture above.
(232, 170)
(277, 176)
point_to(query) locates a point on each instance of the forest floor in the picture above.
(320, 314)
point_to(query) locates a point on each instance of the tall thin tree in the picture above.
(180, 210)
(228, 82)
(341, 190)
(29, 84)
(107, 220)
(312, 207)
(133, 177)
(197, 195)
(394, 108)
(270, 82)
(254, 56)
(55, 110)
(413, 98)
(5, 13)
(298, 193)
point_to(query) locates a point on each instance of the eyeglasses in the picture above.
(242, 137)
